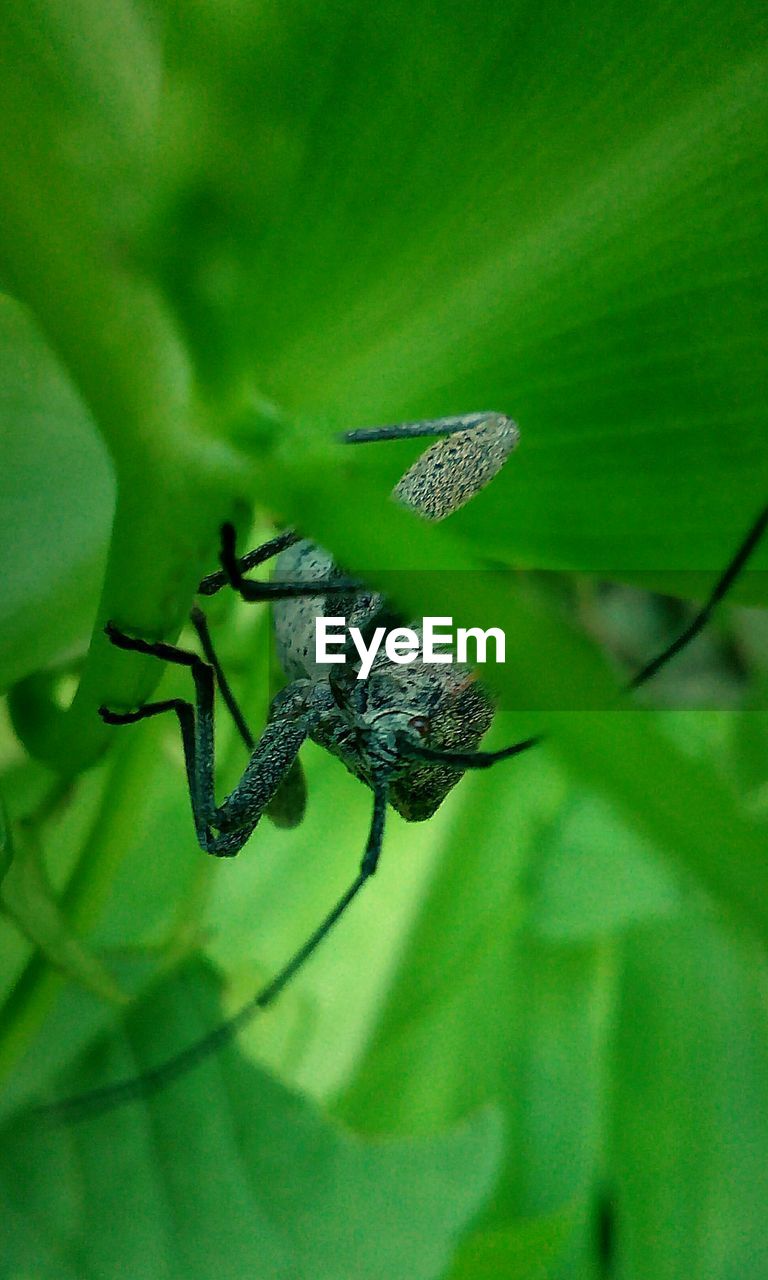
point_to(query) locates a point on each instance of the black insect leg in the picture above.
(262, 592)
(368, 867)
(271, 758)
(200, 623)
(269, 765)
(260, 555)
(111, 1095)
(286, 808)
(196, 729)
(719, 591)
(451, 471)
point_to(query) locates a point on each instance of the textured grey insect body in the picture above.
(362, 722)
(407, 731)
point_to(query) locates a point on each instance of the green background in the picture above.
(228, 231)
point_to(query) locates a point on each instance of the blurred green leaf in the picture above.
(690, 1130)
(481, 1008)
(56, 498)
(595, 876)
(258, 1185)
(237, 229)
(575, 237)
(27, 897)
(523, 1252)
(6, 843)
(79, 90)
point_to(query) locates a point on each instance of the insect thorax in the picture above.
(295, 619)
(364, 719)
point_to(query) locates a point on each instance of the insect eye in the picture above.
(420, 725)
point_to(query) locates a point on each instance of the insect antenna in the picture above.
(720, 589)
(95, 1101)
(410, 430)
(484, 759)
(467, 759)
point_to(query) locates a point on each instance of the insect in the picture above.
(408, 732)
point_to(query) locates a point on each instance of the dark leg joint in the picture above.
(152, 648)
(123, 641)
(267, 551)
(142, 713)
(228, 557)
(369, 864)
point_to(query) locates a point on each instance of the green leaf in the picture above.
(229, 1173)
(481, 1008)
(78, 97)
(56, 499)
(577, 239)
(525, 1251)
(27, 897)
(596, 876)
(6, 842)
(238, 229)
(687, 1168)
